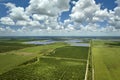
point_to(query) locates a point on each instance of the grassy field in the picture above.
(11, 45)
(48, 69)
(63, 65)
(13, 58)
(106, 57)
(71, 52)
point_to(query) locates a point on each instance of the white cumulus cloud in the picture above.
(17, 13)
(47, 7)
(44, 16)
(7, 21)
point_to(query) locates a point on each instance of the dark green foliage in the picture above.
(113, 44)
(89, 77)
(71, 52)
(9, 46)
(65, 63)
(29, 61)
(48, 69)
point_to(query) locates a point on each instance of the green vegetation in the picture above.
(89, 74)
(9, 60)
(105, 43)
(71, 52)
(59, 61)
(106, 57)
(48, 69)
(59, 66)
(9, 46)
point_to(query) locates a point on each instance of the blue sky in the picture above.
(73, 17)
(109, 4)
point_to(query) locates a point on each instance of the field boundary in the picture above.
(88, 62)
(63, 58)
(92, 61)
(93, 74)
(86, 73)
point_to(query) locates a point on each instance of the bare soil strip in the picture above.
(87, 66)
(86, 73)
(93, 74)
(63, 58)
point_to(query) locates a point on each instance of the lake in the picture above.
(40, 42)
(72, 42)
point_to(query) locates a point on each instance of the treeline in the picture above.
(9, 46)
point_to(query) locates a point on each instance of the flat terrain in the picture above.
(106, 60)
(6, 46)
(64, 63)
(11, 58)
(70, 52)
(59, 61)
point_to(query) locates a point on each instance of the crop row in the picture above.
(48, 69)
(71, 52)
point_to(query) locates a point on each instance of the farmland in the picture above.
(106, 59)
(13, 58)
(70, 52)
(55, 65)
(48, 69)
(59, 60)
(6, 46)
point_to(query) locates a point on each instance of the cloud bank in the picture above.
(42, 16)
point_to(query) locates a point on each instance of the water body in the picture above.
(77, 42)
(72, 42)
(40, 42)
(80, 44)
